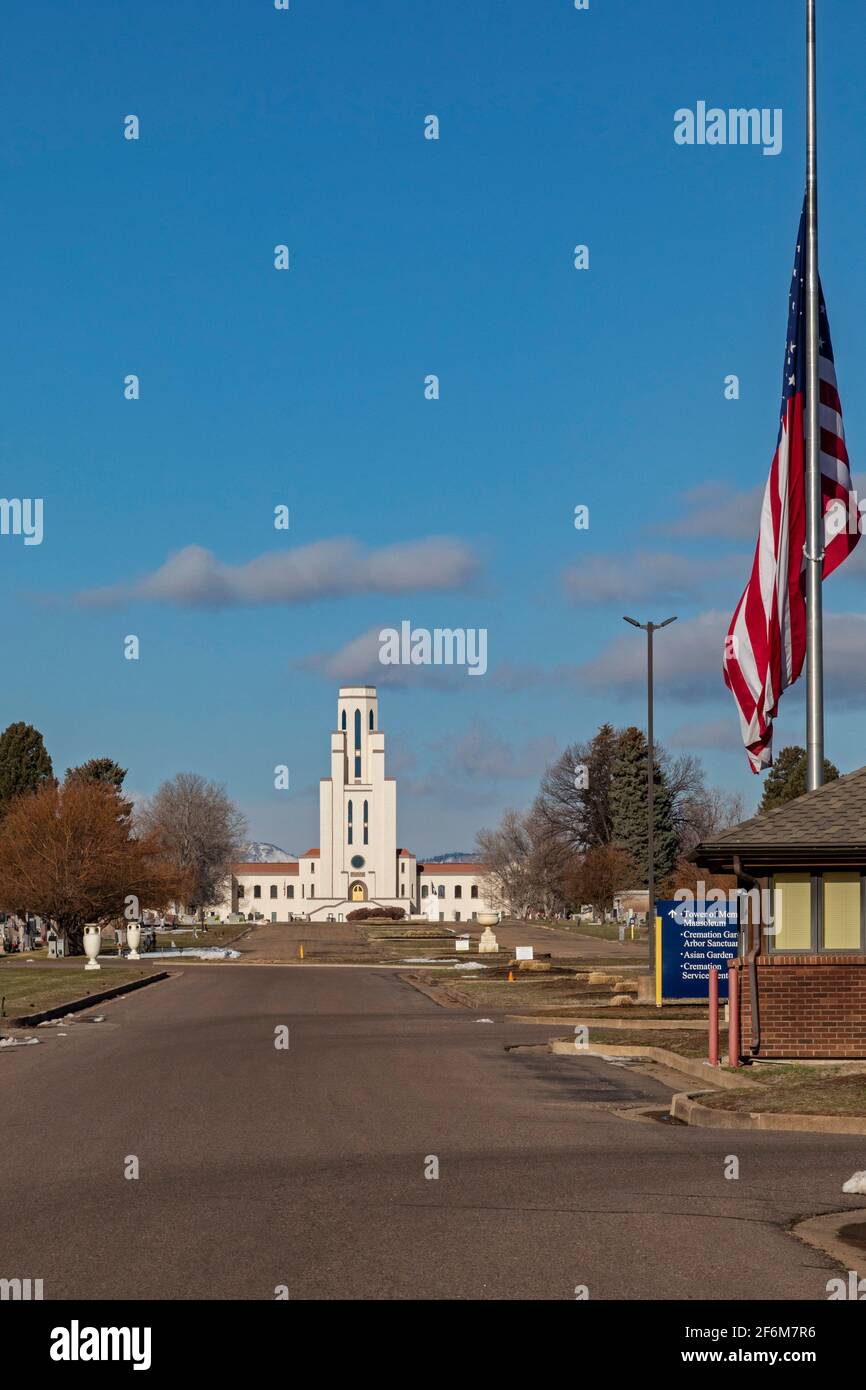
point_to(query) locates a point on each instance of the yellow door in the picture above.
(357, 892)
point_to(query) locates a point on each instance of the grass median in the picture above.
(29, 989)
(796, 1090)
(684, 1042)
(551, 993)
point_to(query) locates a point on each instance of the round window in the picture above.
(357, 861)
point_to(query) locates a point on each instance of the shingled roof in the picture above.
(829, 822)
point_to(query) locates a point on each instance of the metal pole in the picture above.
(814, 518)
(651, 914)
(733, 1015)
(714, 1016)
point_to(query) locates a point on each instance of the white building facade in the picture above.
(358, 861)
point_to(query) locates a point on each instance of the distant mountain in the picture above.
(260, 852)
(455, 857)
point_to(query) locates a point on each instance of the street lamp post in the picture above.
(649, 629)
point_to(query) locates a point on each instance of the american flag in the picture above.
(766, 643)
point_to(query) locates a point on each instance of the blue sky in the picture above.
(408, 257)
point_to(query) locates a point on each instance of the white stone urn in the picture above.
(488, 919)
(92, 945)
(133, 938)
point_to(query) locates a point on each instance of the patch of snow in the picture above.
(454, 963)
(263, 852)
(857, 1183)
(197, 953)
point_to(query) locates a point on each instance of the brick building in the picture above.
(801, 971)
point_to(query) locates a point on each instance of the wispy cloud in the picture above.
(196, 578)
(718, 510)
(357, 662)
(478, 755)
(628, 577)
(709, 733)
(688, 662)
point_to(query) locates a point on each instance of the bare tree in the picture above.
(525, 864)
(708, 812)
(200, 829)
(574, 797)
(506, 853)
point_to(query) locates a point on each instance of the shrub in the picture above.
(364, 914)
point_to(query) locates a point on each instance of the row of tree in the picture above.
(585, 836)
(77, 850)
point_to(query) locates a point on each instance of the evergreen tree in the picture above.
(573, 802)
(106, 772)
(24, 762)
(787, 777)
(99, 770)
(628, 801)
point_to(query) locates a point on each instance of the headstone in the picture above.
(487, 941)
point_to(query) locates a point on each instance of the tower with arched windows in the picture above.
(357, 860)
(358, 808)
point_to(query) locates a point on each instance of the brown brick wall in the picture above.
(810, 1006)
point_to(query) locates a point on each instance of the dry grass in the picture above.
(547, 994)
(685, 1042)
(796, 1090)
(28, 989)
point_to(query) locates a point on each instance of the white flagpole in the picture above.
(814, 518)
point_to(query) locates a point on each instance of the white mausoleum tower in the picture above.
(357, 860)
(358, 807)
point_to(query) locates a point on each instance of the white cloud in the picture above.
(633, 575)
(719, 510)
(709, 733)
(687, 661)
(195, 578)
(479, 755)
(357, 662)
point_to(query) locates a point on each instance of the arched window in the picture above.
(371, 719)
(350, 822)
(366, 822)
(357, 743)
(343, 721)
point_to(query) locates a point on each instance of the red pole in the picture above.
(733, 1016)
(714, 1015)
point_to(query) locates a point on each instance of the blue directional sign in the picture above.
(694, 937)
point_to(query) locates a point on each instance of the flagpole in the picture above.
(814, 518)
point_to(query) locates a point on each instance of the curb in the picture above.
(438, 994)
(615, 1021)
(824, 1233)
(690, 1066)
(691, 1112)
(60, 1010)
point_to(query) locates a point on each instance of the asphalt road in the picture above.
(305, 1167)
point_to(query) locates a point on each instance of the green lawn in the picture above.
(28, 989)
